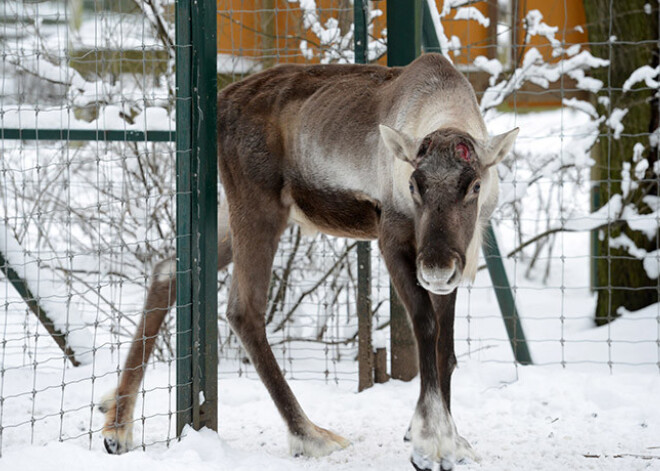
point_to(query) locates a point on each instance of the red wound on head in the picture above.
(463, 152)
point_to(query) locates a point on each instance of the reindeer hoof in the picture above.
(316, 443)
(118, 441)
(423, 463)
(112, 446)
(117, 431)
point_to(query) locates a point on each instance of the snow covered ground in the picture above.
(526, 418)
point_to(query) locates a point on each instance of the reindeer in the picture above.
(401, 155)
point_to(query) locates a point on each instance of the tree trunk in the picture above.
(620, 279)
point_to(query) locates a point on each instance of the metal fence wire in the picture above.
(86, 213)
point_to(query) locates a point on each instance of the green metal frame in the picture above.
(197, 248)
(505, 298)
(86, 135)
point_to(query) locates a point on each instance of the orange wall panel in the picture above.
(569, 17)
(473, 36)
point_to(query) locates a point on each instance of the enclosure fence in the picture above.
(102, 145)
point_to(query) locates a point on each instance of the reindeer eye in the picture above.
(477, 187)
(412, 187)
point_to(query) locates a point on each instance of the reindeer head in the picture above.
(452, 177)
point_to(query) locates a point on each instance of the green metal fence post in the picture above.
(365, 347)
(505, 298)
(183, 217)
(430, 41)
(404, 39)
(197, 328)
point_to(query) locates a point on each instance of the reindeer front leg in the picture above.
(432, 430)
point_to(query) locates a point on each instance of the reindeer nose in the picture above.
(439, 280)
(439, 275)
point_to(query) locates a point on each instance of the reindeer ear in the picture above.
(402, 145)
(498, 147)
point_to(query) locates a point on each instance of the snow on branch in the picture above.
(336, 46)
(449, 4)
(534, 69)
(53, 308)
(471, 13)
(614, 121)
(536, 27)
(646, 74)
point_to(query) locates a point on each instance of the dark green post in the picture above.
(430, 41)
(505, 298)
(365, 347)
(197, 328)
(404, 40)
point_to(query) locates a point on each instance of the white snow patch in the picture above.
(379, 339)
(614, 121)
(646, 223)
(581, 105)
(646, 74)
(651, 264)
(230, 64)
(641, 168)
(455, 45)
(536, 27)
(609, 212)
(638, 150)
(491, 66)
(654, 138)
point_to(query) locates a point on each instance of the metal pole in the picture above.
(183, 217)
(365, 348)
(64, 134)
(205, 214)
(404, 39)
(430, 41)
(197, 329)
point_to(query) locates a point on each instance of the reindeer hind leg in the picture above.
(255, 241)
(118, 405)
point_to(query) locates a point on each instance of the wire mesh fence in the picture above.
(84, 222)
